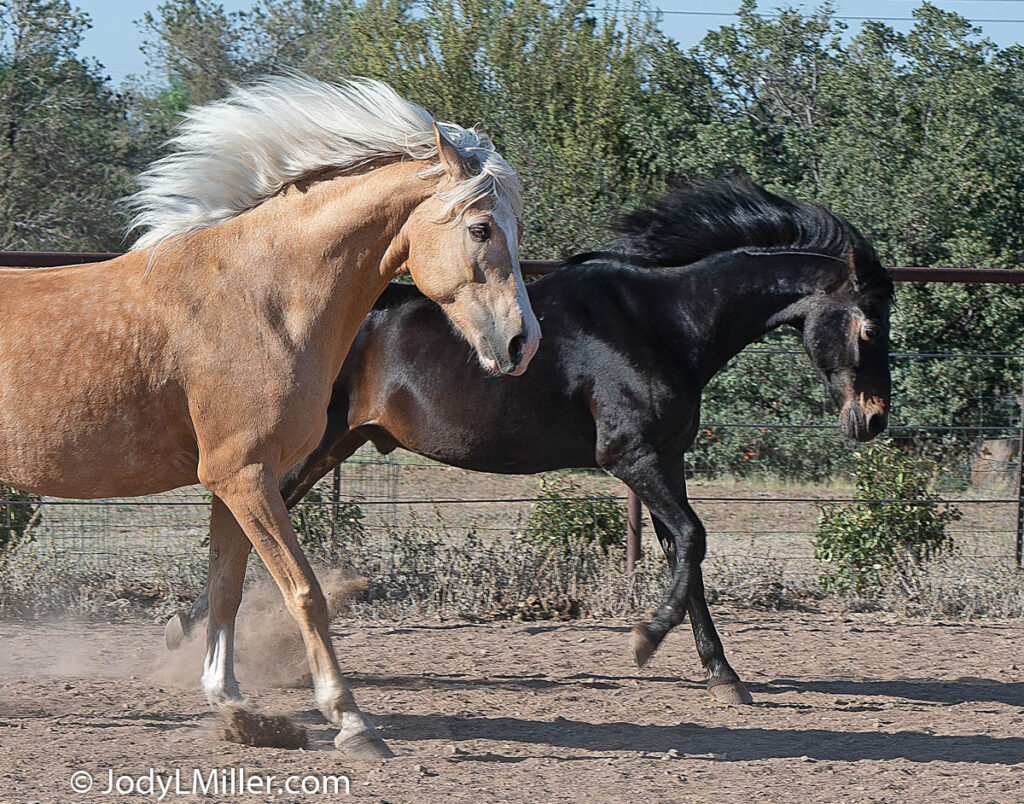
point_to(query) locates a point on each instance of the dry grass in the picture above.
(951, 586)
(53, 582)
(420, 572)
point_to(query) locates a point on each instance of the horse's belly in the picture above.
(501, 450)
(92, 451)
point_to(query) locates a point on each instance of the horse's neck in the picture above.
(316, 250)
(735, 301)
(354, 226)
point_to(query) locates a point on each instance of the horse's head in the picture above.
(461, 247)
(460, 203)
(846, 334)
(836, 290)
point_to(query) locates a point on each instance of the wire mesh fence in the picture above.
(768, 456)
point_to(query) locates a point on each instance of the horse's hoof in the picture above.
(362, 745)
(223, 694)
(175, 632)
(645, 643)
(730, 692)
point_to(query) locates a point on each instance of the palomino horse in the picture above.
(628, 352)
(209, 351)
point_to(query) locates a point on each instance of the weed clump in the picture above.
(896, 525)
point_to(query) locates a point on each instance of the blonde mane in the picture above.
(233, 154)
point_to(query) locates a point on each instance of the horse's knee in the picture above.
(694, 555)
(307, 603)
(690, 549)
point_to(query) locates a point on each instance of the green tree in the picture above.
(201, 49)
(773, 110)
(593, 111)
(941, 109)
(64, 155)
(915, 138)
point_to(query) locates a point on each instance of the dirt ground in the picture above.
(847, 708)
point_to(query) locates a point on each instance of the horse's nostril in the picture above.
(877, 423)
(515, 349)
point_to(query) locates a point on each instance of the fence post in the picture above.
(1020, 483)
(335, 498)
(634, 523)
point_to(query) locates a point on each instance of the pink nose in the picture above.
(492, 364)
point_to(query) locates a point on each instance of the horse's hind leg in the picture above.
(254, 499)
(723, 682)
(183, 622)
(229, 551)
(336, 446)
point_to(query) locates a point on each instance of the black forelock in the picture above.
(698, 218)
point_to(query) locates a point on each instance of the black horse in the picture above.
(631, 337)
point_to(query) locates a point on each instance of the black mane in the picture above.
(699, 218)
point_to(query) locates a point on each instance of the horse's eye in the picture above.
(480, 231)
(869, 331)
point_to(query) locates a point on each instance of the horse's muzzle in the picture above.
(513, 357)
(861, 425)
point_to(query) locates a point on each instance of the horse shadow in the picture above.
(724, 744)
(518, 681)
(961, 690)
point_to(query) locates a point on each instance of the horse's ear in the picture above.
(455, 164)
(851, 262)
(392, 263)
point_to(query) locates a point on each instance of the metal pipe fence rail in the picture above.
(764, 447)
(742, 521)
(49, 259)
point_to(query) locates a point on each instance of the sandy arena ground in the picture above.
(847, 709)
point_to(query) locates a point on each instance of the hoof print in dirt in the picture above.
(239, 725)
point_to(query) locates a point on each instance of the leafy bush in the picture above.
(896, 524)
(563, 517)
(19, 514)
(320, 531)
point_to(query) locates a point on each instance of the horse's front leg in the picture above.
(663, 491)
(254, 500)
(336, 446)
(662, 487)
(723, 682)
